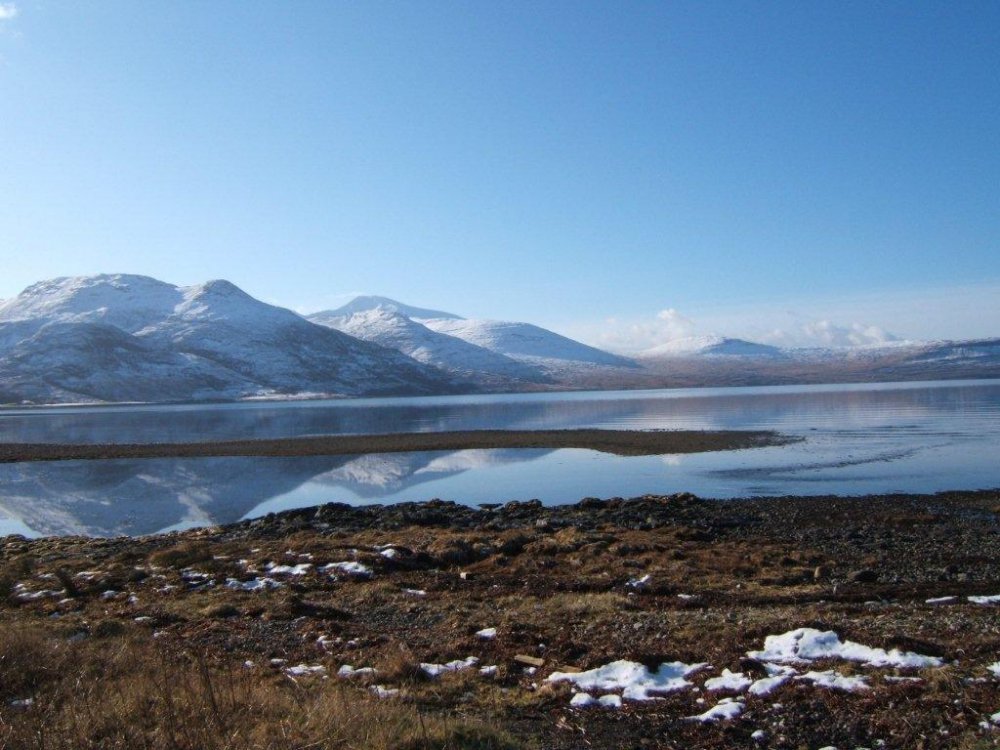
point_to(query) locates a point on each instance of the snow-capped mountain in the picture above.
(528, 343)
(387, 327)
(122, 337)
(369, 302)
(133, 338)
(489, 352)
(710, 346)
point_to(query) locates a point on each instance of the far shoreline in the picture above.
(617, 442)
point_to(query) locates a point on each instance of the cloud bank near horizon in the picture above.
(964, 312)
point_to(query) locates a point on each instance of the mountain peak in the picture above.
(372, 302)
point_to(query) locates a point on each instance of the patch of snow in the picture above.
(942, 600)
(897, 678)
(488, 671)
(348, 671)
(109, 594)
(291, 570)
(415, 592)
(586, 700)
(733, 681)
(767, 685)
(381, 691)
(305, 669)
(995, 599)
(639, 583)
(255, 584)
(635, 680)
(994, 669)
(726, 710)
(456, 665)
(835, 681)
(390, 553)
(349, 568)
(759, 735)
(487, 634)
(808, 644)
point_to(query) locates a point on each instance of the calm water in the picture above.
(908, 437)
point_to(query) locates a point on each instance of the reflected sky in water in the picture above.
(859, 439)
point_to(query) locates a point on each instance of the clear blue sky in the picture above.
(559, 162)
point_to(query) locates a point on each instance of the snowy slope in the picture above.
(713, 346)
(527, 343)
(388, 328)
(97, 362)
(369, 302)
(133, 338)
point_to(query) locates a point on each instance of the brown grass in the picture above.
(128, 694)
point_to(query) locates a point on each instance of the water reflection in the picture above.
(134, 497)
(860, 439)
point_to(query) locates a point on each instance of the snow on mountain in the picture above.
(370, 302)
(137, 334)
(389, 328)
(713, 346)
(527, 343)
(125, 301)
(92, 361)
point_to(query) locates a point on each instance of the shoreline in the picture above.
(617, 442)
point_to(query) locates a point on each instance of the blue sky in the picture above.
(756, 168)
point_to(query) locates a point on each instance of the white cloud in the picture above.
(828, 333)
(632, 335)
(789, 329)
(7, 11)
(956, 312)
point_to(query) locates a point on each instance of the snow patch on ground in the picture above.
(726, 710)
(586, 700)
(804, 645)
(836, 681)
(732, 681)
(453, 666)
(255, 584)
(349, 568)
(288, 570)
(348, 671)
(302, 670)
(985, 599)
(635, 680)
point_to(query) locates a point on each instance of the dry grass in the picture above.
(128, 694)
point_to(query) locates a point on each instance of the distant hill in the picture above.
(454, 355)
(711, 346)
(528, 343)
